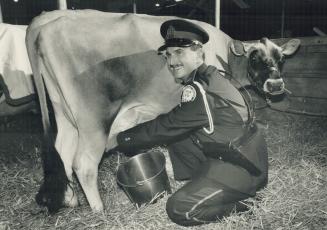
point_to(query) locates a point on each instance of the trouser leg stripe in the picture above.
(187, 214)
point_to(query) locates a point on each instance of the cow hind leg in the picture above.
(90, 150)
(57, 190)
(52, 191)
(66, 144)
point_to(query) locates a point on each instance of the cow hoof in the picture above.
(71, 198)
(48, 200)
(73, 202)
(41, 199)
(51, 196)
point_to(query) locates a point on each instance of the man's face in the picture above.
(182, 61)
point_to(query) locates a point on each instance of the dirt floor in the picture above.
(295, 197)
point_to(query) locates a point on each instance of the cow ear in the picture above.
(290, 47)
(237, 48)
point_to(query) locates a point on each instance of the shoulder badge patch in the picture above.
(188, 94)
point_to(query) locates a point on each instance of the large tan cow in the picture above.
(103, 75)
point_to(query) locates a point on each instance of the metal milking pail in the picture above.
(144, 178)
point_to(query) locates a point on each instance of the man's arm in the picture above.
(183, 119)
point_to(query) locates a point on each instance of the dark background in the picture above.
(241, 19)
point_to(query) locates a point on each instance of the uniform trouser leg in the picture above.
(203, 200)
(186, 157)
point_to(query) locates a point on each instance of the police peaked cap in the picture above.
(182, 33)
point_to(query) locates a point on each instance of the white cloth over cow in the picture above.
(103, 75)
(15, 69)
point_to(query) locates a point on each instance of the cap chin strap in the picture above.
(206, 105)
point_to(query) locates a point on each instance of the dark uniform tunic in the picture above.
(215, 112)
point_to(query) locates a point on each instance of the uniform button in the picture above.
(127, 138)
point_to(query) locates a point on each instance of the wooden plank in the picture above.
(309, 105)
(316, 49)
(300, 105)
(305, 41)
(306, 62)
(306, 74)
(307, 87)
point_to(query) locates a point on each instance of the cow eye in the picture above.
(254, 56)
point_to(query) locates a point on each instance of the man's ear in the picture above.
(200, 55)
(237, 48)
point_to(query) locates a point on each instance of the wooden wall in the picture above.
(305, 75)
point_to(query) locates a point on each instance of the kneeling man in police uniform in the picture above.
(212, 139)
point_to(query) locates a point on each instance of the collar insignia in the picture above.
(188, 94)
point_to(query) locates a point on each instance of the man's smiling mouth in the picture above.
(176, 67)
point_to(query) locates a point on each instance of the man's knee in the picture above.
(172, 206)
(176, 210)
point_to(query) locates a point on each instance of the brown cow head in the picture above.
(259, 64)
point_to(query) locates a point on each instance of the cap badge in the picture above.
(188, 94)
(170, 32)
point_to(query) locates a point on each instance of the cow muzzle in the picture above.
(274, 86)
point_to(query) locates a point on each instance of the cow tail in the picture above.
(52, 191)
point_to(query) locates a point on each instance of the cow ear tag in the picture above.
(188, 94)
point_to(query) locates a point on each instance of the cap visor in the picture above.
(176, 42)
(162, 48)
